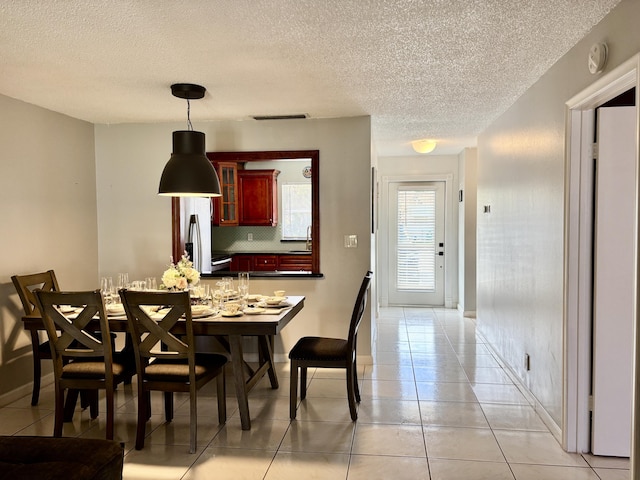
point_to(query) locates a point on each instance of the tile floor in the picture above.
(435, 405)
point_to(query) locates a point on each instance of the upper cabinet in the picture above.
(258, 197)
(225, 208)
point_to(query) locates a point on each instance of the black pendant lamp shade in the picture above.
(189, 173)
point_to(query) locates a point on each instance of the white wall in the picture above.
(431, 166)
(467, 167)
(134, 224)
(48, 218)
(520, 243)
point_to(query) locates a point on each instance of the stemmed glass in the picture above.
(106, 285)
(221, 293)
(243, 287)
(123, 280)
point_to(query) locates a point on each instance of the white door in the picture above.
(416, 243)
(614, 282)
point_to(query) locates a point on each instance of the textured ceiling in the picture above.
(442, 69)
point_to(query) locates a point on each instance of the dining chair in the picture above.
(25, 286)
(326, 352)
(82, 352)
(166, 361)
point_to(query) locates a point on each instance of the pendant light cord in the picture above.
(189, 125)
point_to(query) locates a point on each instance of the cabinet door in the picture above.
(241, 263)
(258, 204)
(294, 263)
(225, 208)
(265, 263)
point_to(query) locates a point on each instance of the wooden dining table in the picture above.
(229, 331)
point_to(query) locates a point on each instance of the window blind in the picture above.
(416, 242)
(296, 210)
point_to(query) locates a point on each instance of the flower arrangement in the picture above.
(180, 275)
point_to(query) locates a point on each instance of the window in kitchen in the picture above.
(296, 211)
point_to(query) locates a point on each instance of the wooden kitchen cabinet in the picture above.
(294, 263)
(258, 197)
(265, 263)
(241, 262)
(225, 208)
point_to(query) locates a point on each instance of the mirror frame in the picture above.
(243, 157)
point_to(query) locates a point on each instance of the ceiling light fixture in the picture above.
(189, 173)
(424, 145)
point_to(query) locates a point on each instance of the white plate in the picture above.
(278, 306)
(115, 310)
(66, 309)
(229, 314)
(254, 310)
(199, 309)
(205, 313)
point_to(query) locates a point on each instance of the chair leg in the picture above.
(92, 398)
(303, 383)
(59, 412)
(70, 404)
(37, 368)
(351, 395)
(193, 420)
(168, 406)
(355, 381)
(222, 397)
(110, 413)
(293, 390)
(144, 407)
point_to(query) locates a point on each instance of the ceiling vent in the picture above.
(280, 117)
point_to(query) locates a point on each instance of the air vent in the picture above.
(280, 117)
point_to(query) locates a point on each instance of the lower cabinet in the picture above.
(241, 263)
(265, 263)
(249, 262)
(294, 263)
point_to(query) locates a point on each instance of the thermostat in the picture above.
(597, 57)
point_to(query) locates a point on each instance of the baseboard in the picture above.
(466, 313)
(546, 418)
(24, 390)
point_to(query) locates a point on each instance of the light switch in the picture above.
(351, 241)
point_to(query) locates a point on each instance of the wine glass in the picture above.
(106, 285)
(243, 286)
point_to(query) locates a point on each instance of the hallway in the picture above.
(435, 405)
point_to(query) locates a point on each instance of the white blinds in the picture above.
(416, 246)
(296, 210)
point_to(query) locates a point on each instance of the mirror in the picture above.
(273, 160)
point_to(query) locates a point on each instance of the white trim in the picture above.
(577, 257)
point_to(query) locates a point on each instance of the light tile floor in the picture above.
(435, 405)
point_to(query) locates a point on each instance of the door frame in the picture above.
(578, 250)
(450, 241)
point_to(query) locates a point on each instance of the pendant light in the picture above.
(189, 173)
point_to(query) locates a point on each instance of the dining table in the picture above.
(229, 332)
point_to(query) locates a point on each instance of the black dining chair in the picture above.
(166, 361)
(81, 359)
(326, 352)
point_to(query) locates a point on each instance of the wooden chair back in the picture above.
(27, 284)
(72, 336)
(358, 311)
(151, 317)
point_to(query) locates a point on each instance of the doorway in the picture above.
(580, 210)
(416, 243)
(386, 251)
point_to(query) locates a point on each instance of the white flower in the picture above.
(179, 276)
